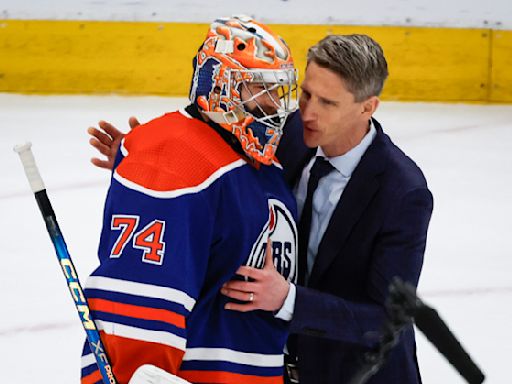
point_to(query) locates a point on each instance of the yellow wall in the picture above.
(501, 66)
(438, 64)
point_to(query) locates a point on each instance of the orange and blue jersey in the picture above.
(184, 211)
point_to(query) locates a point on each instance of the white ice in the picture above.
(465, 152)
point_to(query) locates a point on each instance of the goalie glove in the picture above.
(150, 374)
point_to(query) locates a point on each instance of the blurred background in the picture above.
(437, 50)
(65, 64)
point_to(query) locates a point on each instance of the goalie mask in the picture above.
(245, 81)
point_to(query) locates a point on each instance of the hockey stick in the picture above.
(37, 186)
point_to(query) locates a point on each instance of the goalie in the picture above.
(194, 195)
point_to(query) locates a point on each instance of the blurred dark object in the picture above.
(405, 307)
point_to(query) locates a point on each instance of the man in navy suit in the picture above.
(365, 223)
(365, 220)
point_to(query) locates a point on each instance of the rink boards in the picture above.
(66, 57)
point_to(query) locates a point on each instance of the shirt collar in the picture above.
(347, 162)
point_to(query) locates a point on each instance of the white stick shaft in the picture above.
(29, 164)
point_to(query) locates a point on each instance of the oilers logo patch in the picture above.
(282, 231)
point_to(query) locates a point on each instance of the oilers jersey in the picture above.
(184, 211)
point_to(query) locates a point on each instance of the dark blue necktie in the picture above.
(320, 168)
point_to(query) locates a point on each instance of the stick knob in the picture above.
(30, 167)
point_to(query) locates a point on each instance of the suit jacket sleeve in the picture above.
(397, 250)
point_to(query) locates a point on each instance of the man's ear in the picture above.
(370, 105)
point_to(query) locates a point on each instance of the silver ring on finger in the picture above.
(251, 296)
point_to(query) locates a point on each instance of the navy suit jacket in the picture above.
(378, 230)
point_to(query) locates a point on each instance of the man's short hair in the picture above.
(357, 59)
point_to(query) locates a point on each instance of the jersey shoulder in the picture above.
(174, 152)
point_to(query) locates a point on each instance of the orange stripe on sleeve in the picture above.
(138, 312)
(219, 377)
(92, 378)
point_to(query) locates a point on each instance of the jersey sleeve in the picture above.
(154, 251)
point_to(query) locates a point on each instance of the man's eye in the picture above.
(304, 95)
(328, 102)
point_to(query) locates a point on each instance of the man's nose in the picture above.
(307, 110)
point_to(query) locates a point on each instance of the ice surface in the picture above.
(465, 152)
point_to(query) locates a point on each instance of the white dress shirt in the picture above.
(325, 199)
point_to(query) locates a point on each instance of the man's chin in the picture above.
(310, 140)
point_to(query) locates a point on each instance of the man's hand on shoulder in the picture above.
(106, 139)
(266, 290)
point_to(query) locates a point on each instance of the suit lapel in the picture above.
(292, 153)
(358, 193)
(293, 172)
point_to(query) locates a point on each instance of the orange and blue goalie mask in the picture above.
(245, 81)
